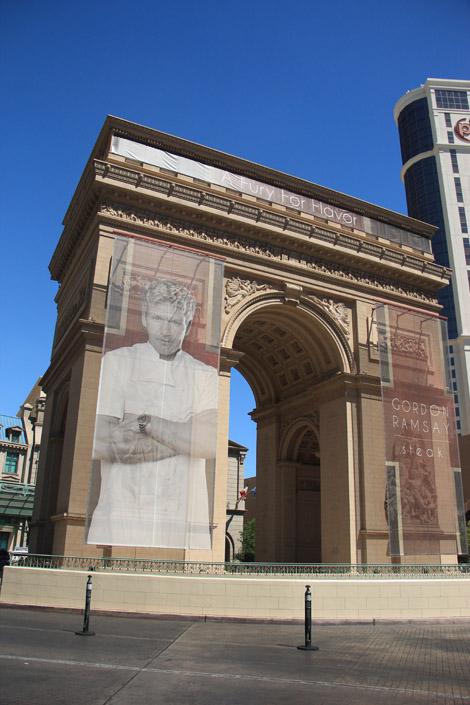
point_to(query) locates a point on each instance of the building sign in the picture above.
(272, 194)
(424, 499)
(152, 477)
(288, 199)
(236, 182)
(462, 129)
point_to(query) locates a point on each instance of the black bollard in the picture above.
(308, 623)
(86, 617)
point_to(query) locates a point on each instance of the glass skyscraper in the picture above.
(434, 128)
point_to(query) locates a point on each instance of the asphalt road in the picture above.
(133, 661)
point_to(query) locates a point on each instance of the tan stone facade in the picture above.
(297, 321)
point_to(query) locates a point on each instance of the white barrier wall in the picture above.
(268, 598)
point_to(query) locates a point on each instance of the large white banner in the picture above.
(146, 154)
(152, 477)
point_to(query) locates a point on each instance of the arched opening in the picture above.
(301, 448)
(242, 428)
(291, 356)
(229, 548)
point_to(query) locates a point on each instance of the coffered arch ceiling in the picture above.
(285, 350)
(300, 442)
(304, 447)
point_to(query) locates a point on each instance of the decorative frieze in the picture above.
(409, 346)
(263, 249)
(259, 214)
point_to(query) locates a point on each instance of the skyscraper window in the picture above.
(457, 100)
(463, 221)
(458, 189)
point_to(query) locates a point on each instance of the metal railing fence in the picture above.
(250, 570)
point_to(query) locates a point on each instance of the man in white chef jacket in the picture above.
(155, 429)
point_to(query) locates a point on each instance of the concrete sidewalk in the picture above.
(133, 661)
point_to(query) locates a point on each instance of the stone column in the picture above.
(338, 440)
(268, 488)
(374, 529)
(47, 484)
(287, 516)
(69, 534)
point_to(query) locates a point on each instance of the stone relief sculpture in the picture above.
(411, 346)
(337, 310)
(237, 289)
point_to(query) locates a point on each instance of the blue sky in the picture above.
(308, 89)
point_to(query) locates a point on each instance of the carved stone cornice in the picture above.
(225, 243)
(77, 224)
(69, 516)
(11, 446)
(276, 235)
(229, 358)
(204, 154)
(316, 234)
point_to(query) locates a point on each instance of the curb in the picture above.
(164, 616)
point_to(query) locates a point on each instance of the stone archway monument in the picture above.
(304, 269)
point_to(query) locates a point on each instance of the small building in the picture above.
(20, 439)
(235, 501)
(250, 501)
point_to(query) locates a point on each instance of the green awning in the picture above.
(16, 501)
